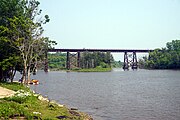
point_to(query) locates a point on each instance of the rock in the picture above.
(74, 113)
(74, 109)
(60, 105)
(43, 99)
(61, 117)
(36, 95)
(54, 102)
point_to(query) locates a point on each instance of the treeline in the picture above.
(22, 45)
(96, 59)
(57, 61)
(164, 58)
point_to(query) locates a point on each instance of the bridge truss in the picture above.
(74, 56)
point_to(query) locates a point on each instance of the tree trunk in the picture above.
(25, 74)
(29, 74)
(13, 74)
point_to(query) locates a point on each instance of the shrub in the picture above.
(9, 109)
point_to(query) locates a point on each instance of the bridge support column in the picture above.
(78, 60)
(73, 60)
(68, 61)
(109, 58)
(46, 63)
(134, 62)
(126, 61)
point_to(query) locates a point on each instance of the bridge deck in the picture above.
(100, 50)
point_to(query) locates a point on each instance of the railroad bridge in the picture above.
(74, 56)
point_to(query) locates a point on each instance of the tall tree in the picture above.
(24, 34)
(9, 57)
(165, 58)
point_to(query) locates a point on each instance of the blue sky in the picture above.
(121, 24)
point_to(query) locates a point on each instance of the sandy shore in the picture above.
(6, 92)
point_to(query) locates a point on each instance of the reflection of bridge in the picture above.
(74, 58)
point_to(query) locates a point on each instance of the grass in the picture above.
(27, 105)
(95, 70)
(14, 86)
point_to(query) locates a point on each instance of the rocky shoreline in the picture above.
(73, 111)
(22, 102)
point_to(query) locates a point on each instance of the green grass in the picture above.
(18, 106)
(14, 86)
(94, 70)
(97, 69)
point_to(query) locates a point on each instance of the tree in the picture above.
(165, 58)
(92, 60)
(9, 56)
(24, 34)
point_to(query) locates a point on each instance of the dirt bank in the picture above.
(6, 92)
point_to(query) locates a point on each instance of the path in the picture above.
(6, 92)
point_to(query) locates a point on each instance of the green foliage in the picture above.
(57, 61)
(8, 54)
(21, 43)
(165, 58)
(21, 96)
(14, 86)
(27, 105)
(117, 64)
(10, 109)
(103, 65)
(92, 60)
(97, 69)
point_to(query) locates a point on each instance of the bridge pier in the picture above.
(72, 60)
(126, 61)
(132, 62)
(46, 63)
(67, 61)
(78, 59)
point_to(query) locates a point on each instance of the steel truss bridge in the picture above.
(74, 56)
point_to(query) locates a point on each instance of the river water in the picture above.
(116, 95)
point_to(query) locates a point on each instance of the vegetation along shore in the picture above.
(24, 104)
(163, 58)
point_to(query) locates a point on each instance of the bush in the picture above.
(9, 109)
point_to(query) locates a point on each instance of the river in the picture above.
(116, 95)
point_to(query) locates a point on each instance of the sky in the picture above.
(112, 24)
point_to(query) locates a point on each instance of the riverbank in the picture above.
(24, 104)
(85, 70)
(94, 70)
(6, 92)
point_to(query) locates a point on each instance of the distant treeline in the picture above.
(164, 58)
(57, 61)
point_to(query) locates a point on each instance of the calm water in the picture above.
(116, 95)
